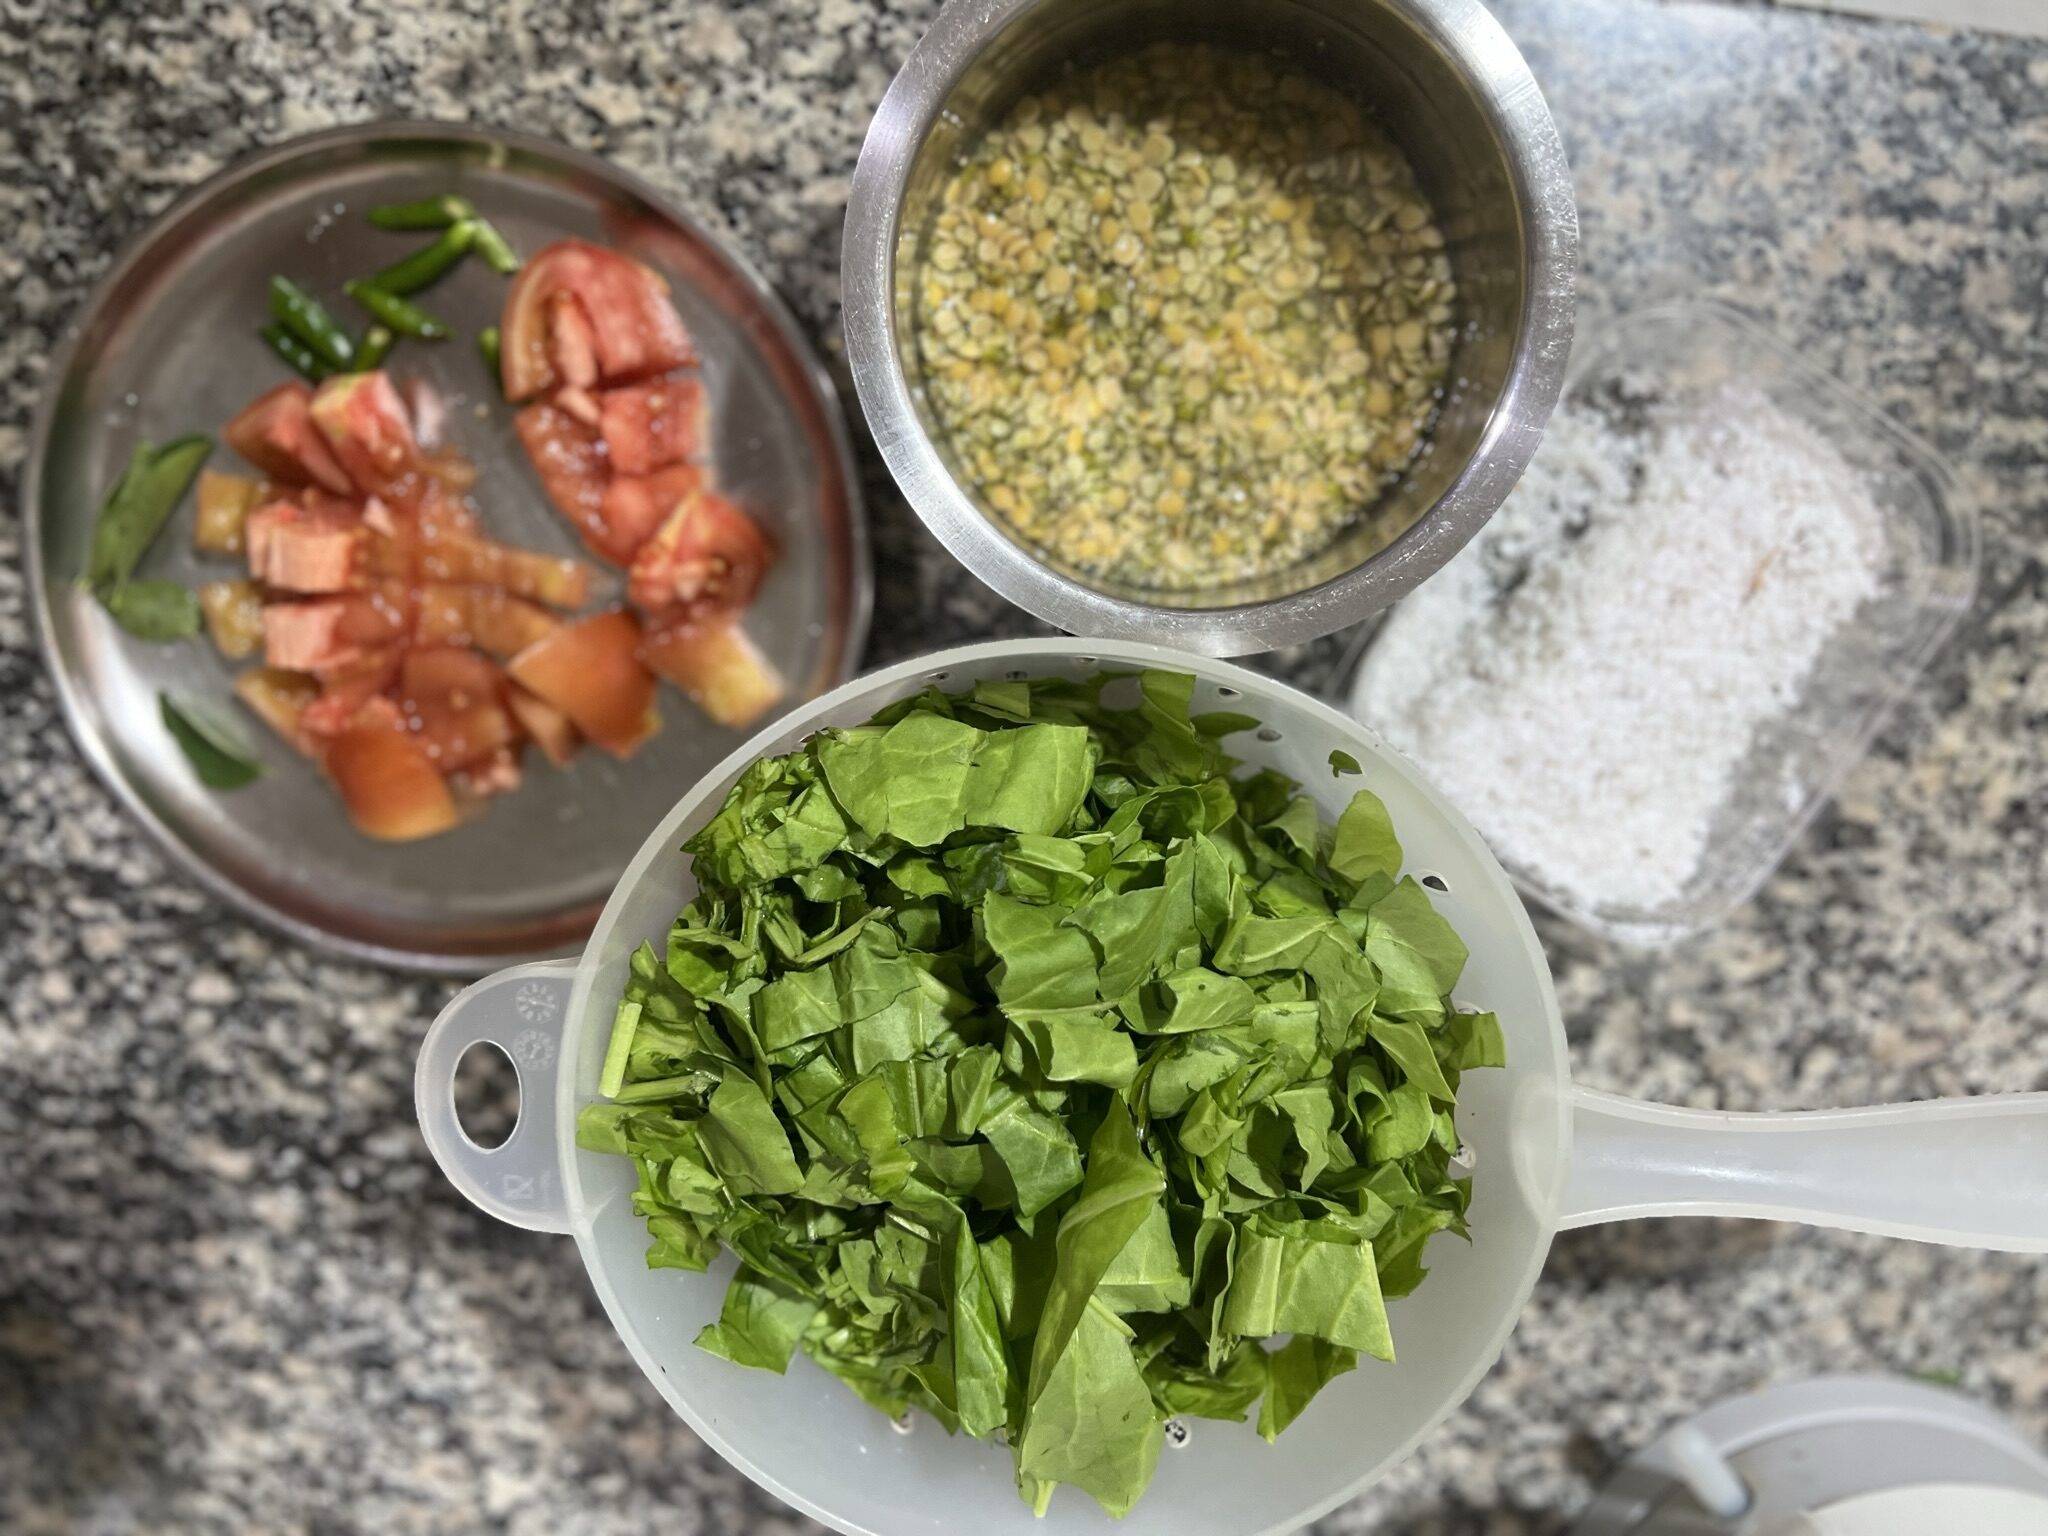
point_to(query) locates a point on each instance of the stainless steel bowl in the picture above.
(1444, 80)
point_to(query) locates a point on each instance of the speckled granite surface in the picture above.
(235, 1295)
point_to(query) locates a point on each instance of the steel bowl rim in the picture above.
(1467, 33)
(90, 743)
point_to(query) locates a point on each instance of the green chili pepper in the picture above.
(141, 502)
(487, 343)
(427, 213)
(307, 319)
(495, 249)
(429, 263)
(401, 315)
(302, 358)
(373, 348)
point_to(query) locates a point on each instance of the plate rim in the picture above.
(97, 752)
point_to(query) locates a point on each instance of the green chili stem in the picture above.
(487, 343)
(307, 319)
(374, 347)
(495, 249)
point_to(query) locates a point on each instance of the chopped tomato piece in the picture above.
(349, 688)
(579, 315)
(483, 617)
(329, 631)
(714, 662)
(649, 426)
(300, 637)
(635, 507)
(571, 464)
(390, 786)
(707, 555)
(589, 670)
(495, 774)
(277, 697)
(364, 420)
(299, 551)
(225, 502)
(277, 435)
(452, 700)
(552, 731)
(234, 616)
(462, 557)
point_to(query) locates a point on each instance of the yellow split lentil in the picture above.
(1184, 315)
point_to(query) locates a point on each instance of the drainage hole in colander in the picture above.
(1438, 884)
(937, 677)
(1267, 733)
(1462, 1161)
(903, 1423)
(1015, 675)
(1177, 1434)
(1226, 693)
(486, 1095)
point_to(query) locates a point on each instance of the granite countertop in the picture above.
(234, 1292)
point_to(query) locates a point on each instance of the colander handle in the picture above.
(1971, 1173)
(522, 1012)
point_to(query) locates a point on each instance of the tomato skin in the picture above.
(714, 662)
(275, 432)
(707, 557)
(623, 325)
(392, 790)
(591, 672)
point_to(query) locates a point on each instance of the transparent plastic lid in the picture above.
(1674, 362)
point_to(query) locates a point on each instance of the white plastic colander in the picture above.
(1546, 1156)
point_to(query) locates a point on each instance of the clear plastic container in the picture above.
(1678, 355)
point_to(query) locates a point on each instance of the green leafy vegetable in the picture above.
(934, 958)
(155, 610)
(213, 749)
(1342, 762)
(141, 502)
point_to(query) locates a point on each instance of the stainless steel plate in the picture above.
(168, 345)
